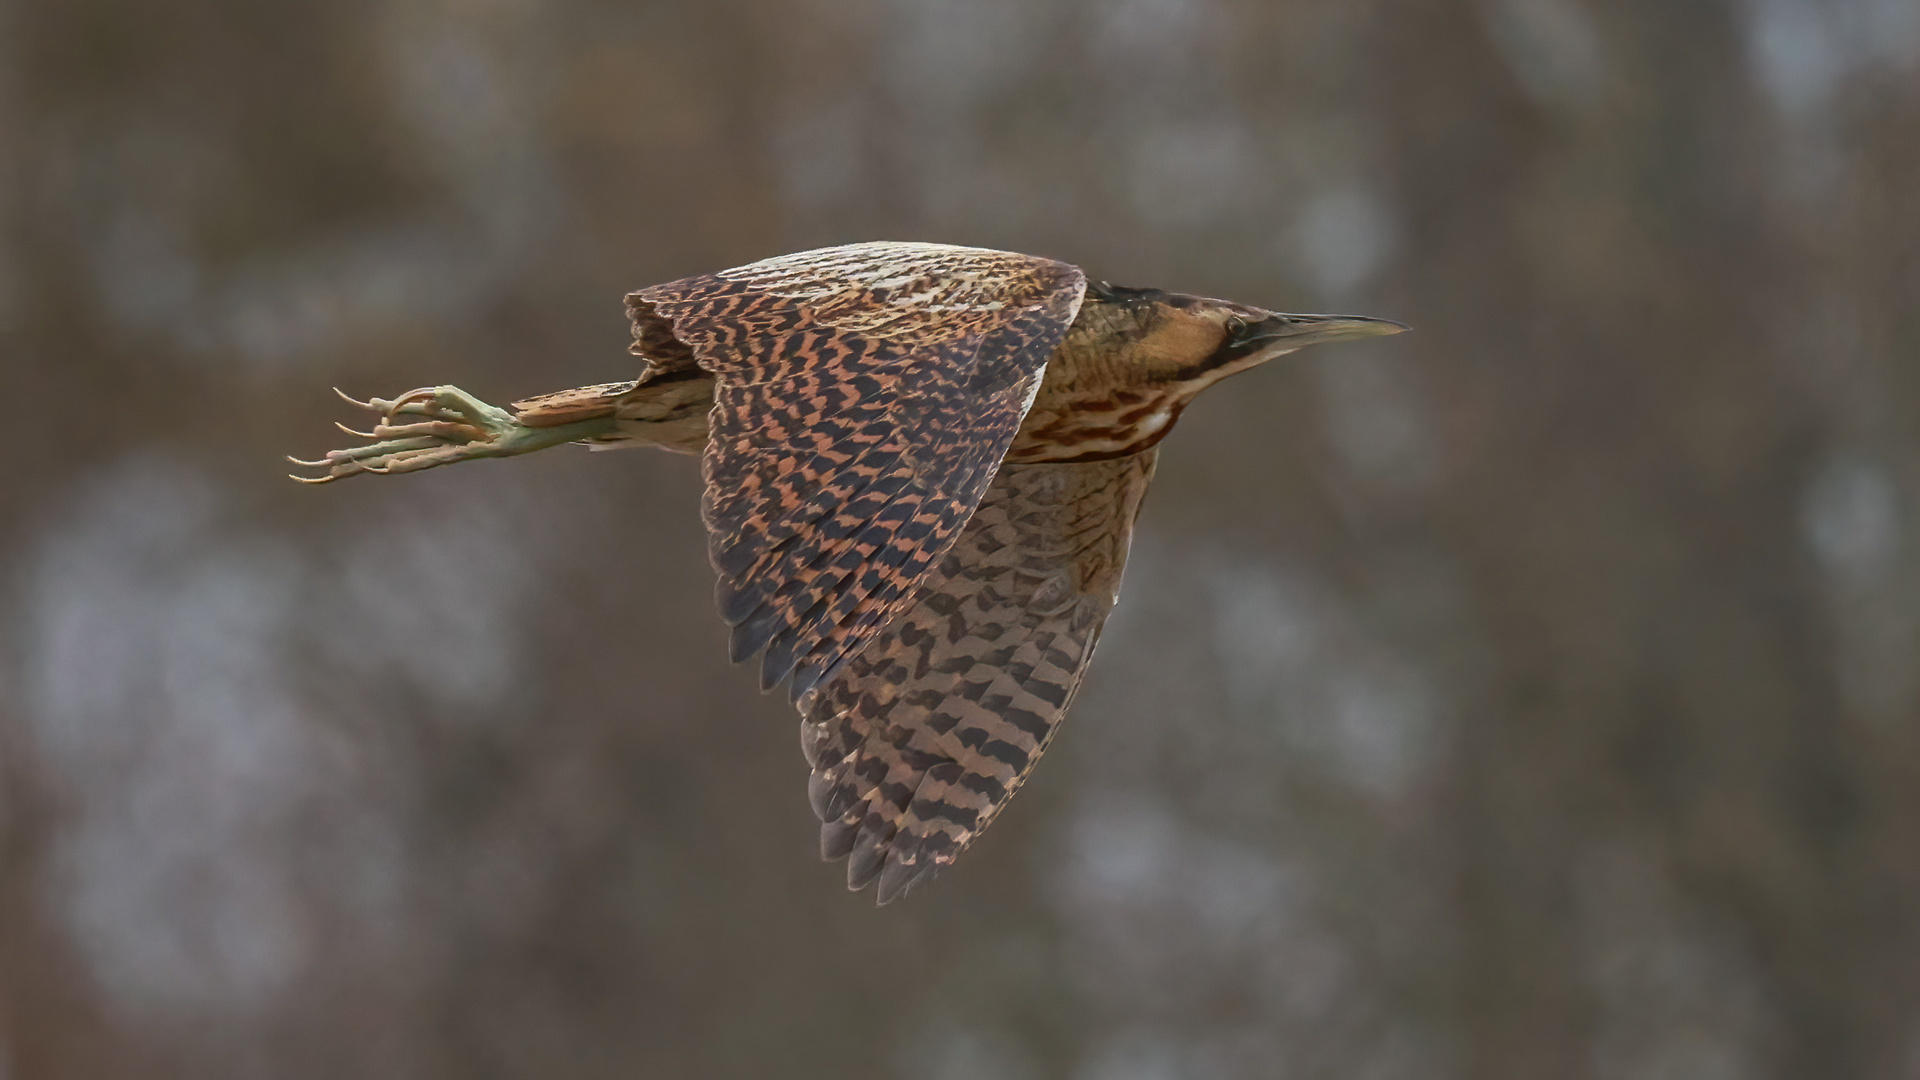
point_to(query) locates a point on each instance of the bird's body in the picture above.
(922, 468)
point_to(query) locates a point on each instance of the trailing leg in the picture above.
(452, 426)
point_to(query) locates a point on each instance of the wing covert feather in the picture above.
(922, 737)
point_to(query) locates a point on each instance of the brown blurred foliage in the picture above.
(1534, 695)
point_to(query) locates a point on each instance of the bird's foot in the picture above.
(453, 426)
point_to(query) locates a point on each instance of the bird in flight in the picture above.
(922, 465)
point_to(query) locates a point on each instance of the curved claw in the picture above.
(358, 434)
(367, 405)
(423, 394)
(313, 479)
(321, 464)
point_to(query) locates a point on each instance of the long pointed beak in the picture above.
(1300, 331)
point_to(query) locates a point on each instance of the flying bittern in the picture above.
(922, 466)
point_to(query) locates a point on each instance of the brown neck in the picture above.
(1093, 422)
(1108, 391)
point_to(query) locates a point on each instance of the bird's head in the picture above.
(1172, 339)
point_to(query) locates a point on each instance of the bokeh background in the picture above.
(1533, 695)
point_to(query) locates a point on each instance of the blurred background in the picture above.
(1534, 695)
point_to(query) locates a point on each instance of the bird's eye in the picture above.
(1236, 326)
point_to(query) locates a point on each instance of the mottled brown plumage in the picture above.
(922, 467)
(921, 739)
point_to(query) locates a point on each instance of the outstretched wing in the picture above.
(925, 734)
(864, 398)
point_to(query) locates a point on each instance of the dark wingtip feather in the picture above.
(734, 556)
(741, 644)
(864, 863)
(778, 661)
(805, 678)
(754, 633)
(736, 601)
(898, 878)
(820, 789)
(836, 839)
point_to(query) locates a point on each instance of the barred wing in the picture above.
(864, 398)
(925, 734)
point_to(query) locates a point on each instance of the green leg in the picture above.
(456, 427)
